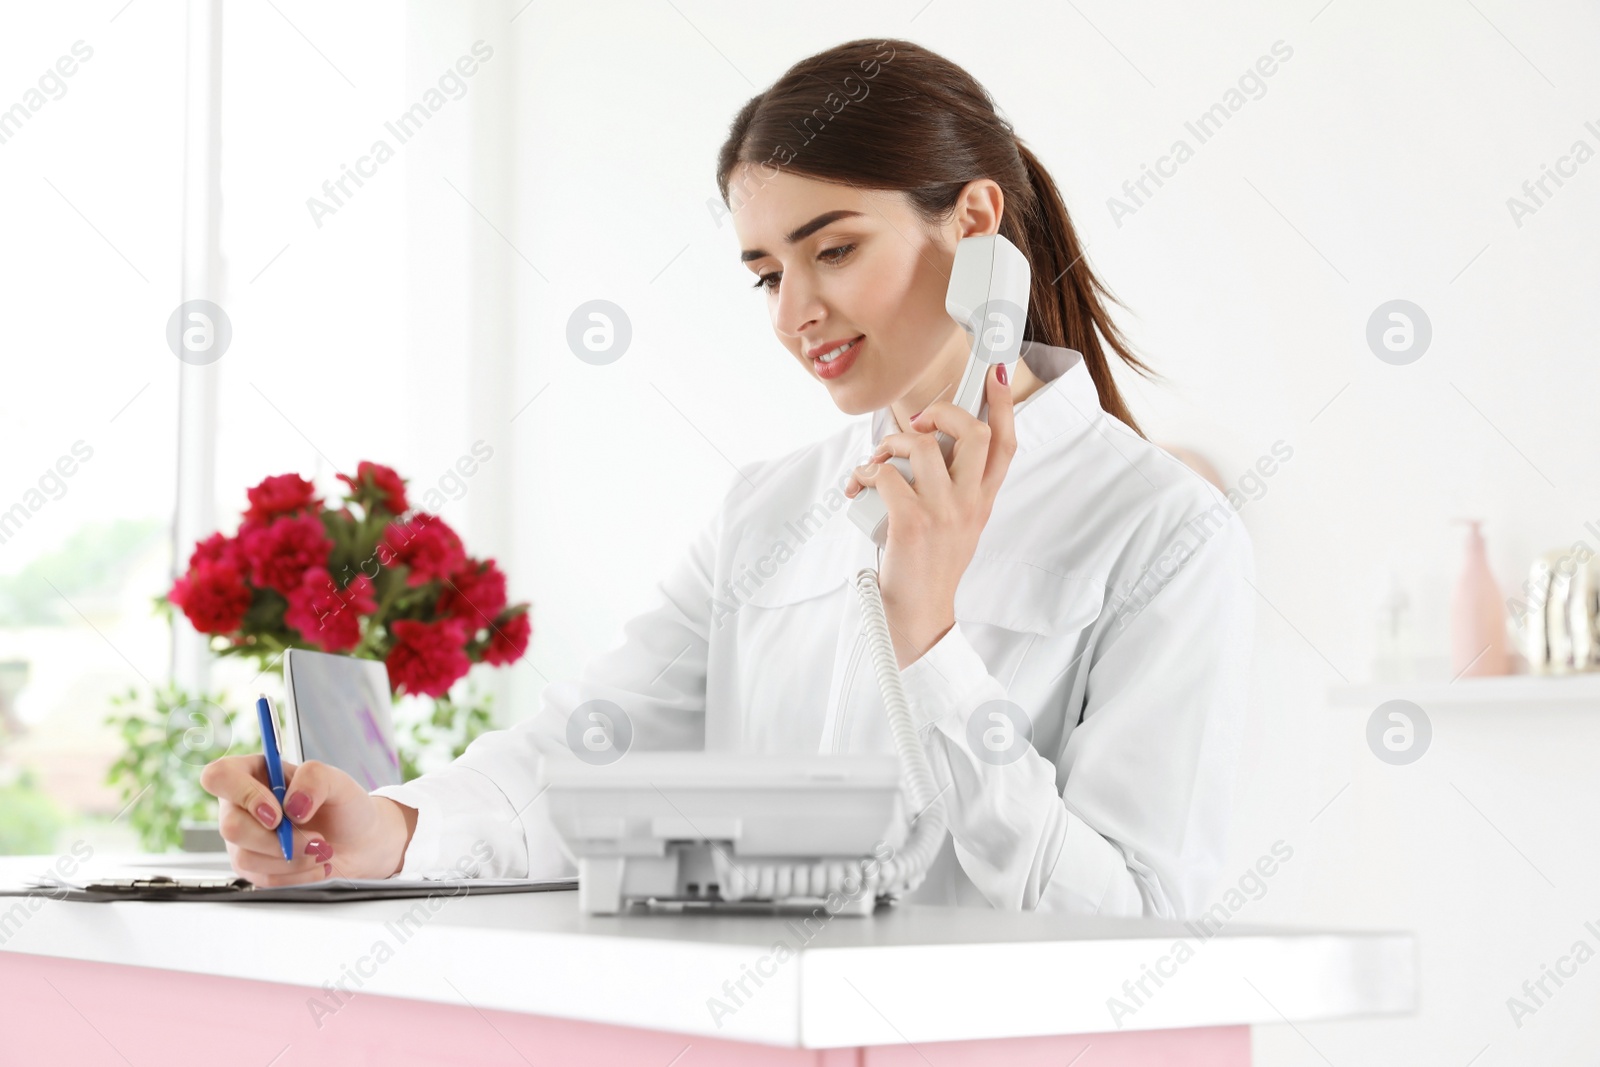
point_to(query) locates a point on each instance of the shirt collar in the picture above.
(1065, 403)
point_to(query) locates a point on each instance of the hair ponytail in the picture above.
(893, 115)
(1067, 301)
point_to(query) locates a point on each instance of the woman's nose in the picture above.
(797, 307)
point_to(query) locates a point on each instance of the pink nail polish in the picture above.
(265, 813)
(296, 806)
(319, 850)
(1000, 372)
(327, 869)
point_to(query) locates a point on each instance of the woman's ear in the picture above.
(979, 208)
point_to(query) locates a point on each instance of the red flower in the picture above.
(508, 640)
(279, 553)
(476, 593)
(214, 549)
(428, 657)
(390, 486)
(281, 494)
(213, 596)
(327, 616)
(426, 545)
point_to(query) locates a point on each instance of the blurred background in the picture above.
(1395, 153)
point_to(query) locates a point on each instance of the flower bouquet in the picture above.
(367, 576)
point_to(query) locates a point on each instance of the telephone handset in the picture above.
(680, 830)
(988, 297)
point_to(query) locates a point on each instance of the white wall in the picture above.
(1376, 165)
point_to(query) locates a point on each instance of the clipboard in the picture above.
(163, 887)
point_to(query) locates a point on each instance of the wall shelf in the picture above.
(1511, 692)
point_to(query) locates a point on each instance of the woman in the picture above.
(1063, 579)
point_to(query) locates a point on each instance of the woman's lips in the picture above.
(846, 360)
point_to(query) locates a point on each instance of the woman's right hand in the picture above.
(340, 830)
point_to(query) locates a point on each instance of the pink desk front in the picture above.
(75, 1012)
(526, 979)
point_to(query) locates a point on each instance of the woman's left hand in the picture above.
(934, 522)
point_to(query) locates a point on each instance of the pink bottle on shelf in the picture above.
(1478, 645)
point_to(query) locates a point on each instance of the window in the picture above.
(328, 279)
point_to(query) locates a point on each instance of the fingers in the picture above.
(927, 465)
(981, 450)
(971, 438)
(268, 871)
(308, 788)
(242, 782)
(898, 495)
(248, 813)
(854, 483)
(262, 862)
(242, 830)
(1002, 432)
(929, 476)
(248, 816)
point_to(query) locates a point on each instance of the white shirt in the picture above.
(1109, 597)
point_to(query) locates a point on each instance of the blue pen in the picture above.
(269, 745)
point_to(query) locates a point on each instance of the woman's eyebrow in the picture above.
(801, 233)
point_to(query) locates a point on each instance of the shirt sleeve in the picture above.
(1140, 826)
(491, 793)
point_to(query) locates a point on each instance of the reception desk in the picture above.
(527, 979)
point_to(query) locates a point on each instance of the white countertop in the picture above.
(908, 974)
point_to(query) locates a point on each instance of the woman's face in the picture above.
(847, 266)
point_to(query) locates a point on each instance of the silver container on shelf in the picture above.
(1583, 615)
(1562, 631)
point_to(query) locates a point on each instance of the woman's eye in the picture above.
(832, 256)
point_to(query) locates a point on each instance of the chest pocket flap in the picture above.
(1021, 595)
(818, 566)
(1012, 593)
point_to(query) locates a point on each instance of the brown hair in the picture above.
(897, 116)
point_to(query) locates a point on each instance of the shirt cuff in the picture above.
(1091, 876)
(945, 680)
(466, 827)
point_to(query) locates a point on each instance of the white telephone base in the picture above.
(667, 829)
(610, 885)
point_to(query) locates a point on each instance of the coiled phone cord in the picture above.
(901, 873)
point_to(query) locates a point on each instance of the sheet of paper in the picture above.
(191, 878)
